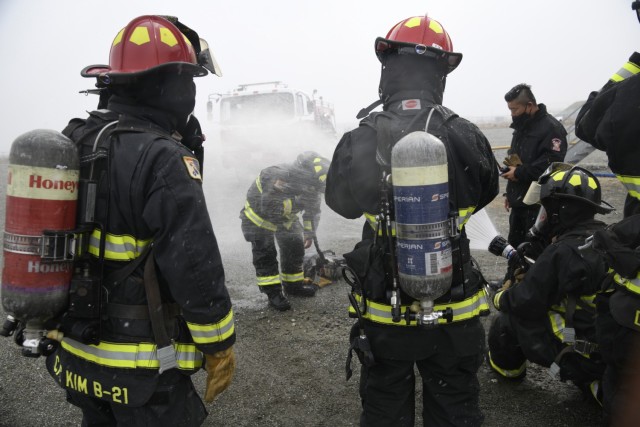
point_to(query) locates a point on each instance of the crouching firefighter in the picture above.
(417, 172)
(147, 305)
(271, 215)
(549, 317)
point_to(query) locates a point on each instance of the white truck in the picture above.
(261, 124)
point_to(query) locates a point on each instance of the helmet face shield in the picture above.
(537, 190)
(206, 59)
(533, 194)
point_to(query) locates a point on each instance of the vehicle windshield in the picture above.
(262, 107)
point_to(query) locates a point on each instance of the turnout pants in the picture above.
(265, 255)
(513, 340)
(450, 387)
(174, 403)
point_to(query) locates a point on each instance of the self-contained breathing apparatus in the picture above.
(41, 313)
(47, 282)
(420, 238)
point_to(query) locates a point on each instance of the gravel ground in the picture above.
(291, 365)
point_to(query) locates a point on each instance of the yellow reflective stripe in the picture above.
(589, 300)
(627, 70)
(631, 183)
(586, 299)
(132, 355)
(633, 285)
(296, 277)
(462, 310)
(373, 222)
(557, 324)
(318, 168)
(213, 332)
(508, 373)
(256, 219)
(259, 184)
(268, 280)
(371, 219)
(287, 207)
(308, 225)
(117, 247)
(464, 214)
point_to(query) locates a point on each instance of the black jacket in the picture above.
(540, 141)
(354, 178)
(610, 121)
(561, 270)
(353, 181)
(280, 204)
(353, 189)
(152, 192)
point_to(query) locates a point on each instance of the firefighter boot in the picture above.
(300, 288)
(277, 299)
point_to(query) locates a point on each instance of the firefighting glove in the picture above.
(220, 367)
(630, 68)
(512, 160)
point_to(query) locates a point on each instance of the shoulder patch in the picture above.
(193, 167)
(555, 144)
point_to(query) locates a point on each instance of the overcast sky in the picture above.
(563, 48)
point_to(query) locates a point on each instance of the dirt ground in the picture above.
(291, 365)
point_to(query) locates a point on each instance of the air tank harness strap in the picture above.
(166, 352)
(156, 311)
(475, 305)
(359, 342)
(582, 347)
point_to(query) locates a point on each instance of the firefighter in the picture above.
(165, 312)
(416, 57)
(538, 140)
(617, 325)
(610, 121)
(548, 317)
(271, 211)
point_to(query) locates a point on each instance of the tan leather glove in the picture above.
(512, 160)
(220, 367)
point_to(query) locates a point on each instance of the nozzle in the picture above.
(500, 247)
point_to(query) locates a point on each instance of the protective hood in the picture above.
(411, 76)
(174, 94)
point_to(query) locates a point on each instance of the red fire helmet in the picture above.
(153, 42)
(419, 35)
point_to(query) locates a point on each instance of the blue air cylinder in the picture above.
(421, 199)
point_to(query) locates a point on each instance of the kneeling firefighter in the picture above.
(271, 214)
(548, 317)
(149, 307)
(417, 172)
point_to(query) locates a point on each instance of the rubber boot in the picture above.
(277, 299)
(301, 288)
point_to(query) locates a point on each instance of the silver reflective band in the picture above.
(167, 358)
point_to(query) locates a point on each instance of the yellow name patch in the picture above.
(193, 167)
